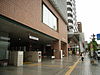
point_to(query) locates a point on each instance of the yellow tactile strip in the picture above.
(71, 68)
(46, 65)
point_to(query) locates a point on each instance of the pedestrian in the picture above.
(82, 56)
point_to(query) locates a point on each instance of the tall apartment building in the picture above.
(73, 32)
(79, 26)
(33, 25)
(71, 13)
(81, 36)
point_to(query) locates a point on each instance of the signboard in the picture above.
(98, 36)
(34, 38)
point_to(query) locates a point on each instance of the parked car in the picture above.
(98, 54)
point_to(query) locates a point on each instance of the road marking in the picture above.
(72, 67)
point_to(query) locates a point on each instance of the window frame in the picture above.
(52, 14)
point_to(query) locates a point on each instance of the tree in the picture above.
(94, 44)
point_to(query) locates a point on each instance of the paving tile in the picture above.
(47, 67)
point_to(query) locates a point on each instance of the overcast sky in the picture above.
(88, 12)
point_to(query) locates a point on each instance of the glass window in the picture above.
(70, 21)
(69, 3)
(70, 15)
(49, 18)
(69, 9)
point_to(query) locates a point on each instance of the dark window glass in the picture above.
(68, 3)
(70, 21)
(70, 15)
(69, 9)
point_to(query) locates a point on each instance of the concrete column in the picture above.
(57, 48)
(64, 48)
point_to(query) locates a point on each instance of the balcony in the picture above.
(70, 28)
(70, 15)
(71, 18)
(70, 21)
(69, 3)
(69, 12)
(69, 9)
(69, 6)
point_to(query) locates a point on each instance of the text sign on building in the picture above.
(98, 36)
(34, 38)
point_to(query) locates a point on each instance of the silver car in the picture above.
(98, 54)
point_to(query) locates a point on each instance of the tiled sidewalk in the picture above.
(47, 67)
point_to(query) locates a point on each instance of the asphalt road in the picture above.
(86, 67)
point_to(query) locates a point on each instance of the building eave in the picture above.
(59, 11)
